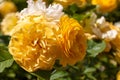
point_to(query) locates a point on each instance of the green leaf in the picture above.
(80, 16)
(58, 75)
(4, 54)
(91, 77)
(89, 70)
(4, 39)
(5, 64)
(6, 59)
(73, 8)
(42, 74)
(65, 78)
(95, 47)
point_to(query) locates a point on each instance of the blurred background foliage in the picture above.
(97, 65)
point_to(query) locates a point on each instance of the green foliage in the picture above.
(60, 75)
(95, 47)
(6, 59)
(42, 74)
(4, 40)
(79, 13)
(89, 70)
(5, 64)
(4, 54)
(15, 72)
(96, 65)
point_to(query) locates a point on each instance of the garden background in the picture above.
(97, 64)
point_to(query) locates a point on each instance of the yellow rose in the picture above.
(45, 35)
(105, 5)
(8, 23)
(36, 45)
(7, 7)
(73, 41)
(65, 3)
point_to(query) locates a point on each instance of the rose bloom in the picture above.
(7, 7)
(34, 45)
(65, 3)
(105, 5)
(73, 41)
(8, 23)
(43, 39)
